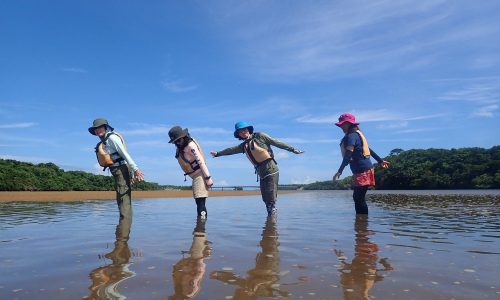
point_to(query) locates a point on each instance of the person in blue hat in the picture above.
(257, 147)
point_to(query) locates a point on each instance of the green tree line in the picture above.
(464, 168)
(23, 176)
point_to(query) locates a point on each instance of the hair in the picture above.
(186, 140)
(353, 128)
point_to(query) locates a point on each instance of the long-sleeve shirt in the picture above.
(114, 145)
(359, 162)
(191, 153)
(263, 140)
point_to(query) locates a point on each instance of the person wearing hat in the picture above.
(257, 147)
(122, 166)
(190, 157)
(356, 153)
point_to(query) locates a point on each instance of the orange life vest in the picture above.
(103, 157)
(256, 154)
(187, 166)
(366, 148)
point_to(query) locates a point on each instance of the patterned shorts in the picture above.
(366, 178)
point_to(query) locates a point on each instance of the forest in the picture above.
(464, 168)
(24, 176)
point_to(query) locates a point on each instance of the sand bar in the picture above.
(68, 196)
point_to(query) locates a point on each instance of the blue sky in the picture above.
(417, 74)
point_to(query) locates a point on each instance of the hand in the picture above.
(336, 176)
(214, 153)
(297, 151)
(385, 164)
(138, 176)
(209, 182)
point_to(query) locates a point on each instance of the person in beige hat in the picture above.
(111, 152)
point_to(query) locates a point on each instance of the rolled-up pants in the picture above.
(123, 189)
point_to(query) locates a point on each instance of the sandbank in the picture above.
(68, 196)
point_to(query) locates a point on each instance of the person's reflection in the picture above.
(188, 272)
(262, 280)
(359, 276)
(105, 279)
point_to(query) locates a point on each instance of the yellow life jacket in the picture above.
(103, 157)
(256, 154)
(366, 148)
(187, 166)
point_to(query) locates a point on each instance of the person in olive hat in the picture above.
(122, 166)
(257, 147)
(192, 161)
(356, 153)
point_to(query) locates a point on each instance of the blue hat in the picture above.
(241, 125)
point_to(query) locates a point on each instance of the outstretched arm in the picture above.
(229, 151)
(279, 144)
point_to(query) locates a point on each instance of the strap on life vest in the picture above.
(250, 148)
(193, 165)
(106, 160)
(364, 144)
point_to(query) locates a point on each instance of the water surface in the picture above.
(409, 247)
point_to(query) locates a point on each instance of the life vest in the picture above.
(364, 142)
(256, 154)
(187, 166)
(103, 157)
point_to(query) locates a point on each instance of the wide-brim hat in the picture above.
(242, 125)
(347, 117)
(176, 133)
(98, 123)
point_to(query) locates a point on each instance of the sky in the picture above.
(416, 74)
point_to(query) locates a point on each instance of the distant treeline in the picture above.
(465, 168)
(23, 176)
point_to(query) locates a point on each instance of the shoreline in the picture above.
(71, 196)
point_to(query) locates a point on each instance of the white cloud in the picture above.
(18, 125)
(305, 180)
(480, 92)
(177, 86)
(344, 38)
(486, 111)
(379, 115)
(75, 70)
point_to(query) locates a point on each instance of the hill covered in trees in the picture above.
(464, 168)
(23, 176)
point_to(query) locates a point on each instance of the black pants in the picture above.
(200, 205)
(359, 199)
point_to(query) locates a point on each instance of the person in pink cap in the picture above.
(356, 153)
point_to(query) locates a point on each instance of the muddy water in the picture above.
(411, 246)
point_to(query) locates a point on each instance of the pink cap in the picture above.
(347, 117)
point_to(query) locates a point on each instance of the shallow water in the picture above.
(409, 247)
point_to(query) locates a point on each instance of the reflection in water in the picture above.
(105, 279)
(261, 281)
(188, 272)
(359, 276)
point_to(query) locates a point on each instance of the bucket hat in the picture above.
(98, 123)
(241, 125)
(346, 117)
(176, 133)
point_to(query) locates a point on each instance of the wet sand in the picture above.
(69, 196)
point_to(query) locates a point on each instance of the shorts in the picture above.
(366, 178)
(200, 189)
